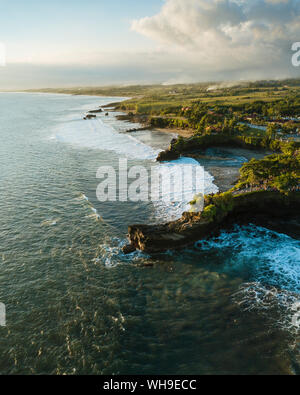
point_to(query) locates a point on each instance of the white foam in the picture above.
(85, 197)
(49, 222)
(96, 135)
(280, 306)
(177, 195)
(111, 254)
(274, 262)
(96, 214)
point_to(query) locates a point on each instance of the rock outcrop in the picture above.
(257, 207)
(89, 116)
(167, 155)
(96, 111)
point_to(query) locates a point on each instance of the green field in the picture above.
(155, 98)
(205, 107)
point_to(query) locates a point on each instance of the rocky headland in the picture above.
(259, 207)
(274, 195)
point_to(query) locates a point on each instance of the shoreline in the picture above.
(186, 133)
(224, 178)
(262, 208)
(180, 132)
(192, 227)
(245, 206)
(143, 121)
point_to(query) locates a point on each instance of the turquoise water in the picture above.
(76, 305)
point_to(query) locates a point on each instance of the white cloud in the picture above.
(242, 36)
(196, 40)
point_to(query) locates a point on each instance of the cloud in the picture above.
(242, 37)
(194, 40)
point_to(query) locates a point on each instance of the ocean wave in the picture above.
(95, 134)
(273, 262)
(49, 222)
(188, 179)
(280, 306)
(96, 215)
(111, 254)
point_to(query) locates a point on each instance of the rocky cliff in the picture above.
(227, 209)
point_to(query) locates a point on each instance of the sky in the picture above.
(103, 42)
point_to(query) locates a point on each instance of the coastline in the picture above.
(225, 178)
(130, 296)
(259, 208)
(180, 132)
(247, 206)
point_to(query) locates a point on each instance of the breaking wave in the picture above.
(111, 254)
(273, 264)
(106, 135)
(95, 134)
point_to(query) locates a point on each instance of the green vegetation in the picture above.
(257, 115)
(235, 111)
(274, 172)
(202, 142)
(224, 116)
(210, 108)
(217, 206)
(210, 213)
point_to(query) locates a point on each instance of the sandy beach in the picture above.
(180, 132)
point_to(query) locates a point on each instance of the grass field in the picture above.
(157, 97)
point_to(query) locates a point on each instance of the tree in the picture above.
(271, 131)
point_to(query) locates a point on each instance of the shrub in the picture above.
(209, 213)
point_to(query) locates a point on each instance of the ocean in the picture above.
(75, 304)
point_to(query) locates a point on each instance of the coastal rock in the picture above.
(90, 116)
(128, 249)
(256, 207)
(173, 142)
(167, 155)
(95, 111)
(137, 129)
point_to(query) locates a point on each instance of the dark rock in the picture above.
(137, 129)
(168, 155)
(128, 249)
(95, 111)
(255, 208)
(90, 116)
(173, 142)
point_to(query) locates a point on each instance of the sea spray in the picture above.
(273, 264)
(96, 134)
(73, 306)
